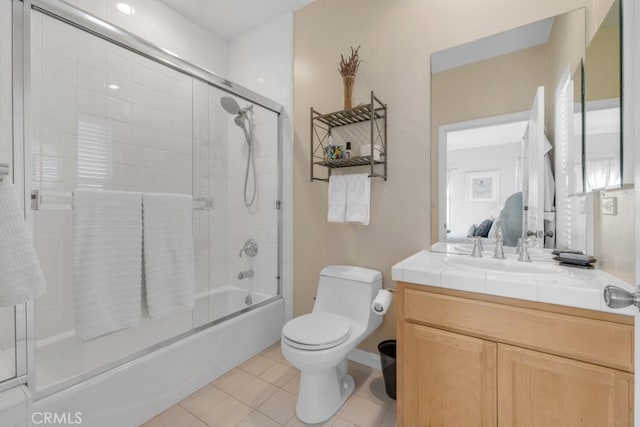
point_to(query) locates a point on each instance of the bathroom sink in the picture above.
(505, 266)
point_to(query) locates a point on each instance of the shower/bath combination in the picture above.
(243, 118)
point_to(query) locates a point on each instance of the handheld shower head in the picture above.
(242, 116)
(230, 105)
(239, 120)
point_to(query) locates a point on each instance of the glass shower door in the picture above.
(104, 118)
(7, 314)
(244, 175)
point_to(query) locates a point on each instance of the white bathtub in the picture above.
(134, 392)
(228, 300)
(62, 358)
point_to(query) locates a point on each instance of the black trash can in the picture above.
(387, 351)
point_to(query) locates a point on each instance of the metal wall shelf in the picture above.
(322, 125)
(346, 163)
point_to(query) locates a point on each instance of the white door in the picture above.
(533, 178)
(631, 134)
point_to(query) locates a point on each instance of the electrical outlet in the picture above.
(609, 206)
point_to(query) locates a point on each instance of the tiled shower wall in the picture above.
(134, 133)
(72, 74)
(158, 23)
(260, 220)
(262, 60)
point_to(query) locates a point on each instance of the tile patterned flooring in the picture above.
(262, 392)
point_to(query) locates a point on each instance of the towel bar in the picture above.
(63, 200)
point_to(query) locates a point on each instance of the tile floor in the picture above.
(262, 392)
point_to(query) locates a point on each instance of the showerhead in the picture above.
(230, 105)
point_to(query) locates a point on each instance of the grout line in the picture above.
(210, 409)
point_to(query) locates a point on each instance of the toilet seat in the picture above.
(317, 331)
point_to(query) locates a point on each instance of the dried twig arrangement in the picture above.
(349, 67)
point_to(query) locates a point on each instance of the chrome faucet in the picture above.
(245, 274)
(477, 247)
(523, 250)
(250, 248)
(498, 251)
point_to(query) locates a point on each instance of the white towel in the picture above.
(20, 276)
(337, 198)
(358, 198)
(107, 261)
(169, 266)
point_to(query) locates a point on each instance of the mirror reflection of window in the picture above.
(94, 155)
(603, 143)
(568, 167)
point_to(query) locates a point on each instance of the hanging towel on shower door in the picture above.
(20, 276)
(358, 198)
(107, 261)
(169, 266)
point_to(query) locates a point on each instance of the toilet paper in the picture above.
(381, 303)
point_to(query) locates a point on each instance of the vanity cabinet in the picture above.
(538, 389)
(467, 359)
(452, 376)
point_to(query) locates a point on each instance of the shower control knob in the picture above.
(616, 297)
(250, 248)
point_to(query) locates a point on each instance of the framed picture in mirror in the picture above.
(483, 186)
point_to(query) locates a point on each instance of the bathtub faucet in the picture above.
(245, 274)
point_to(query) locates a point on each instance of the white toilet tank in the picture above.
(349, 291)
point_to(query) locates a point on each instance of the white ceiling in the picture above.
(496, 45)
(232, 18)
(507, 133)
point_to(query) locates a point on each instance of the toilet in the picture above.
(318, 343)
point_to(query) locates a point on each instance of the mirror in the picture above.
(603, 142)
(506, 119)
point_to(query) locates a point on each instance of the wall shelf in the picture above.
(322, 125)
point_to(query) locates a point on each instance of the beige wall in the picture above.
(397, 38)
(615, 237)
(602, 65)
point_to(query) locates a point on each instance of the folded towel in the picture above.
(107, 261)
(169, 266)
(20, 276)
(337, 198)
(358, 198)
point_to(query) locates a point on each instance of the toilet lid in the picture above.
(318, 330)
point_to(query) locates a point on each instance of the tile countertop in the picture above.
(578, 288)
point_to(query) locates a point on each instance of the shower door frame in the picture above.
(22, 149)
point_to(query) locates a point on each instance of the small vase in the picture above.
(348, 91)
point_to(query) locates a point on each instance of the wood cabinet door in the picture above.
(449, 379)
(537, 389)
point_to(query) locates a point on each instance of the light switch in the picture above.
(609, 206)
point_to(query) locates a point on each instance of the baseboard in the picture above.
(362, 357)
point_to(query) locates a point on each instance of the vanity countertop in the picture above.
(573, 287)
